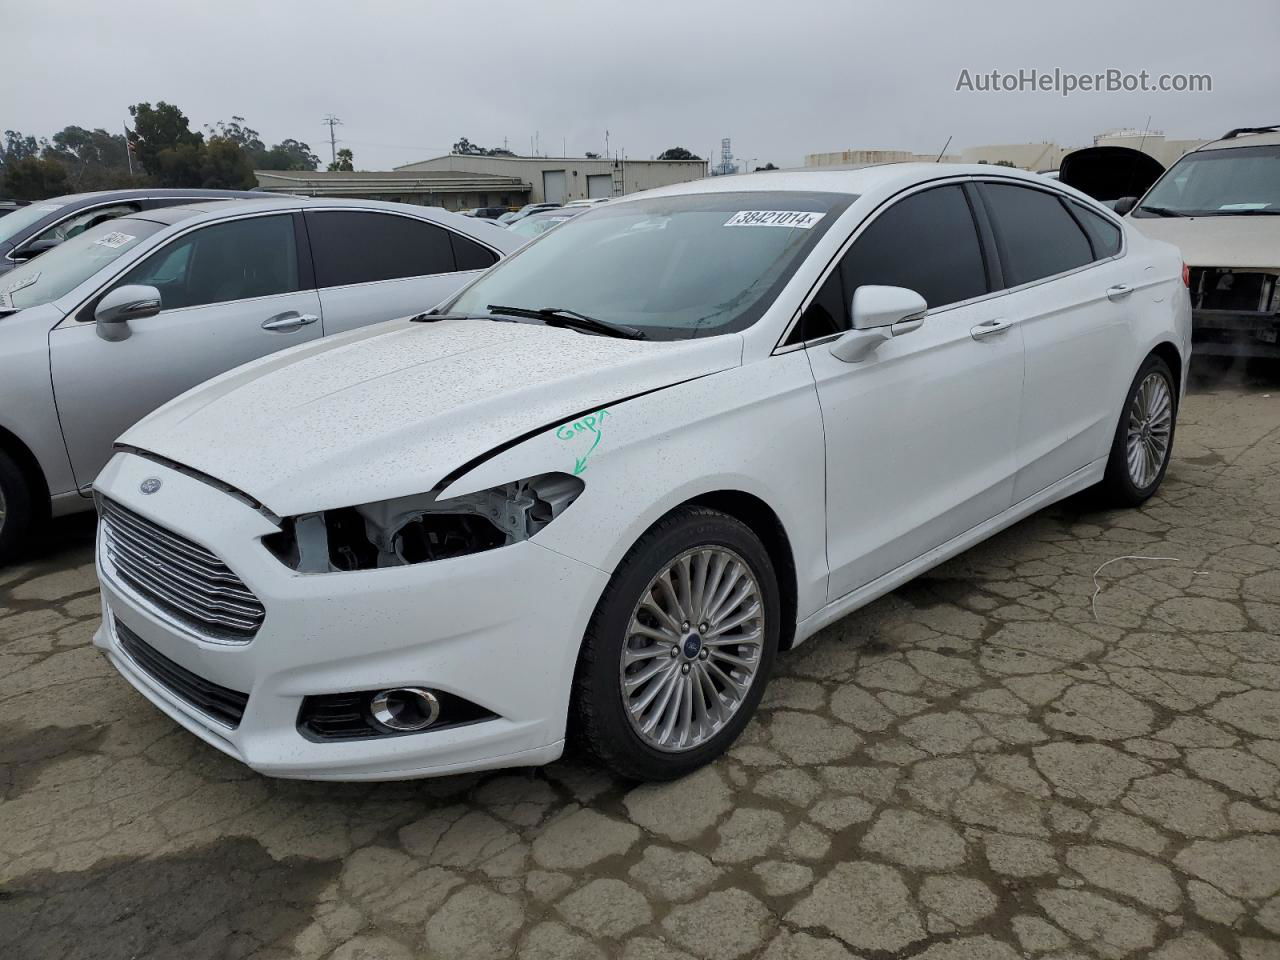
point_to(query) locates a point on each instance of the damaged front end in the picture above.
(1235, 312)
(422, 528)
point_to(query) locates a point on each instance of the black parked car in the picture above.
(31, 230)
(489, 213)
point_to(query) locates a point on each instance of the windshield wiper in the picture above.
(1255, 212)
(560, 317)
(1162, 211)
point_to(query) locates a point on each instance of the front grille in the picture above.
(1238, 291)
(178, 576)
(220, 703)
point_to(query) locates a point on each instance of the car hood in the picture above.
(1237, 242)
(390, 410)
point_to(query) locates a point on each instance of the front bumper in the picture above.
(1216, 333)
(500, 629)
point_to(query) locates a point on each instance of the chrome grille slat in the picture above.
(178, 575)
(213, 611)
(131, 543)
(167, 541)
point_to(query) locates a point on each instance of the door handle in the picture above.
(990, 328)
(289, 320)
(1119, 291)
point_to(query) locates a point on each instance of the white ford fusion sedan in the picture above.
(599, 491)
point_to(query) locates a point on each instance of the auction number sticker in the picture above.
(114, 240)
(796, 219)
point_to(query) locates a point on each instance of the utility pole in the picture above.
(332, 121)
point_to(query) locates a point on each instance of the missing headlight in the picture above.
(420, 529)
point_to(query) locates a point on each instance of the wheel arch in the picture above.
(1170, 354)
(766, 524)
(20, 453)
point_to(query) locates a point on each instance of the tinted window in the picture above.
(469, 255)
(927, 243)
(236, 260)
(1037, 236)
(359, 247)
(1103, 234)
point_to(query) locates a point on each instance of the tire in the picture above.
(1131, 482)
(699, 540)
(16, 508)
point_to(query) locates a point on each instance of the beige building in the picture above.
(1028, 156)
(463, 181)
(560, 179)
(431, 188)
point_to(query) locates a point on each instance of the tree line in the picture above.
(159, 148)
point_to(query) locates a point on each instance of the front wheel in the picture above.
(1144, 436)
(680, 647)
(16, 508)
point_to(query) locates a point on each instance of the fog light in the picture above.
(404, 709)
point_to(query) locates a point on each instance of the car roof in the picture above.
(1243, 139)
(219, 209)
(854, 182)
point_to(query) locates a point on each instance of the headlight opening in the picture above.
(420, 528)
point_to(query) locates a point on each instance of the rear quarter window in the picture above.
(1036, 236)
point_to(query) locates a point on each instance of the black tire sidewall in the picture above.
(1119, 484)
(616, 742)
(19, 509)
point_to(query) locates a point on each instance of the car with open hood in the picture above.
(597, 492)
(1220, 205)
(130, 312)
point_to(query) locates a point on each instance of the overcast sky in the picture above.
(782, 78)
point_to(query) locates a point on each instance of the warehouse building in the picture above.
(463, 181)
(561, 179)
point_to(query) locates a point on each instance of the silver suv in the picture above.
(110, 324)
(1220, 204)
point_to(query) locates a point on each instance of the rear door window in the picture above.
(1036, 236)
(469, 255)
(1103, 234)
(355, 246)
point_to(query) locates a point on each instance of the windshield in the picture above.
(672, 267)
(533, 226)
(1218, 183)
(68, 265)
(22, 218)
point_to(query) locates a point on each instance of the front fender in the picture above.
(756, 429)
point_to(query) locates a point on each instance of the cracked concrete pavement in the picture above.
(971, 768)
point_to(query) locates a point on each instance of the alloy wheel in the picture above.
(1150, 429)
(692, 649)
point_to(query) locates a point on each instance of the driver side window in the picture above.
(235, 260)
(926, 242)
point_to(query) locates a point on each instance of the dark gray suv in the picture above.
(31, 230)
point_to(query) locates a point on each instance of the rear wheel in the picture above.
(1144, 436)
(680, 647)
(16, 508)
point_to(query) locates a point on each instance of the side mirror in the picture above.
(879, 314)
(117, 308)
(1124, 205)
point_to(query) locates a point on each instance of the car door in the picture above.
(1069, 295)
(374, 265)
(231, 291)
(919, 434)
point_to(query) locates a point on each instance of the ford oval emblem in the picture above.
(150, 485)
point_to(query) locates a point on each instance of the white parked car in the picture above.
(598, 492)
(129, 313)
